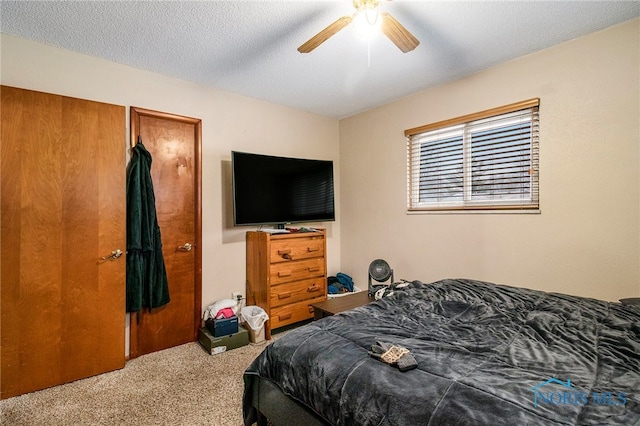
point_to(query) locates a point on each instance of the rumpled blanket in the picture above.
(487, 354)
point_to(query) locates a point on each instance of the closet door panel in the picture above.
(63, 196)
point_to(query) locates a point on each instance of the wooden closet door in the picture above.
(63, 208)
(174, 142)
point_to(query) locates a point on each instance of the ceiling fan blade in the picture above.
(398, 34)
(323, 35)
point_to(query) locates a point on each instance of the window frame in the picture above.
(460, 125)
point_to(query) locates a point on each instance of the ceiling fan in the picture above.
(369, 11)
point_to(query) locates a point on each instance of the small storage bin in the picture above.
(256, 336)
(223, 326)
(254, 318)
(333, 296)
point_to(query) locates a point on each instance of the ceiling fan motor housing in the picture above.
(365, 4)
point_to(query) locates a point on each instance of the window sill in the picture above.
(484, 211)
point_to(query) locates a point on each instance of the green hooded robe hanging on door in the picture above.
(147, 285)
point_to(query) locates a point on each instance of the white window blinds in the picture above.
(487, 160)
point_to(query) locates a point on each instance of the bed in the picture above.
(486, 354)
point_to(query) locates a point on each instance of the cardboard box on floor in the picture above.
(216, 345)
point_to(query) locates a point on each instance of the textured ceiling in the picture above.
(249, 47)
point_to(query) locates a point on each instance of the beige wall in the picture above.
(585, 241)
(229, 122)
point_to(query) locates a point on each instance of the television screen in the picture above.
(279, 190)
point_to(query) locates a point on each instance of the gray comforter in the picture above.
(487, 355)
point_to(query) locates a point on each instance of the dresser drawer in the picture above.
(298, 290)
(297, 270)
(294, 312)
(296, 249)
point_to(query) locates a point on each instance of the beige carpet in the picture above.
(178, 386)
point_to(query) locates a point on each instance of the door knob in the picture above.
(185, 247)
(114, 255)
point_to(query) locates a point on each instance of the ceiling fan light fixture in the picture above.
(367, 22)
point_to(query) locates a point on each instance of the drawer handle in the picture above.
(284, 317)
(310, 309)
(313, 287)
(310, 249)
(313, 269)
(284, 273)
(284, 295)
(285, 254)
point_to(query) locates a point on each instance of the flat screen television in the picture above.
(271, 190)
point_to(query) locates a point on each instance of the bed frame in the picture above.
(277, 409)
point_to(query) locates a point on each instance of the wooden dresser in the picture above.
(286, 274)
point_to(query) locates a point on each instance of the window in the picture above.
(487, 160)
